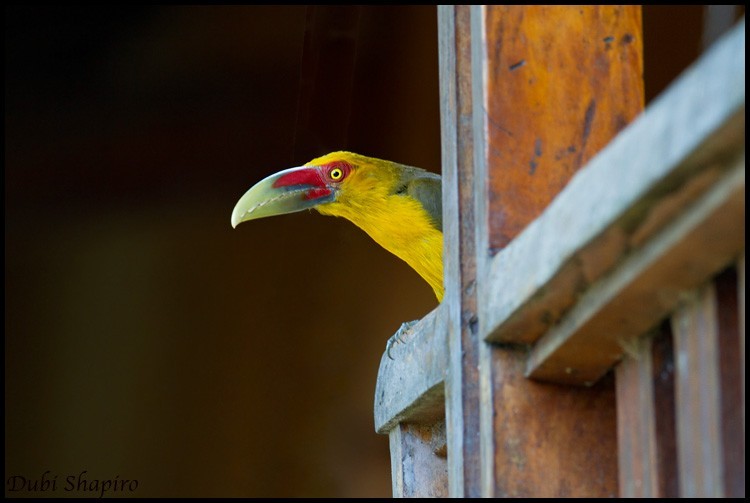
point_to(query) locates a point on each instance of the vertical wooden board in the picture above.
(644, 382)
(636, 422)
(418, 464)
(462, 391)
(741, 303)
(561, 82)
(551, 440)
(557, 83)
(730, 385)
(662, 356)
(699, 445)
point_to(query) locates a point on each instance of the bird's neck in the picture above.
(400, 225)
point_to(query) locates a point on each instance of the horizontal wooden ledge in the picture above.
(645, 288)
(661, 164)
(410, 387)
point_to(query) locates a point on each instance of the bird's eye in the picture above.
(338, 170)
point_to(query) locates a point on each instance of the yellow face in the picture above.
(365, 191)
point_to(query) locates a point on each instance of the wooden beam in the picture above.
(545, 101)
(696, 342)
(731, 361)
(410, 385)
(741, 316)
(644, 381)
(645, 287)
(711, 431)
(462, 391)
(609, 207)
(418, 464)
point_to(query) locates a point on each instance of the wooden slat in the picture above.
(710, 411)
(547, 96)
(418, 464)
(699, 448)
(645, 287)
(606, 209)
(636, 422)
(410, 385)
(741, 316)
(645, 419)
(664, 407)
(462, 392)
(730, 385)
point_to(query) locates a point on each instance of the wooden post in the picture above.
(462, 392)
(645, 418)
(418, 461)
(545, 101)
(600, 266)
(710, 427)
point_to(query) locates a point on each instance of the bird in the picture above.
(398, 206)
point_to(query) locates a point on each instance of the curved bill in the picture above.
(287, 191)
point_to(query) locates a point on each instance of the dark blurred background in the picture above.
(145, 338)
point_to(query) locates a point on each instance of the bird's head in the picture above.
(324, 183)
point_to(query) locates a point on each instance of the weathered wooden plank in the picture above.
(645, 287)
(664, 408)
(730, 384)
(699, 446)
(636, 422)
(606, 208)
(418, 464)
(545, 99)
(644, 381)
(550, 440)
(710, 420)
(462, 392)
(741, 303)
(410, 386)
(568, 80)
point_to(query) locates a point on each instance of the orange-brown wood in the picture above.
(562, 81)
(551, 440)
(558, 84)
(697, 397)
(645, 418)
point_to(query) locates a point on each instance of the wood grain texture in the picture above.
(683, 141)
(410, 385)
(731, 360)
(564, 81)
(696, 341)
(551, 440)
(418, 467)
(462, 391)
(532, 67)
(644, 382)
(645, 287)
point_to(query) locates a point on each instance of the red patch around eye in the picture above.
(344, 166)
(310, 176)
